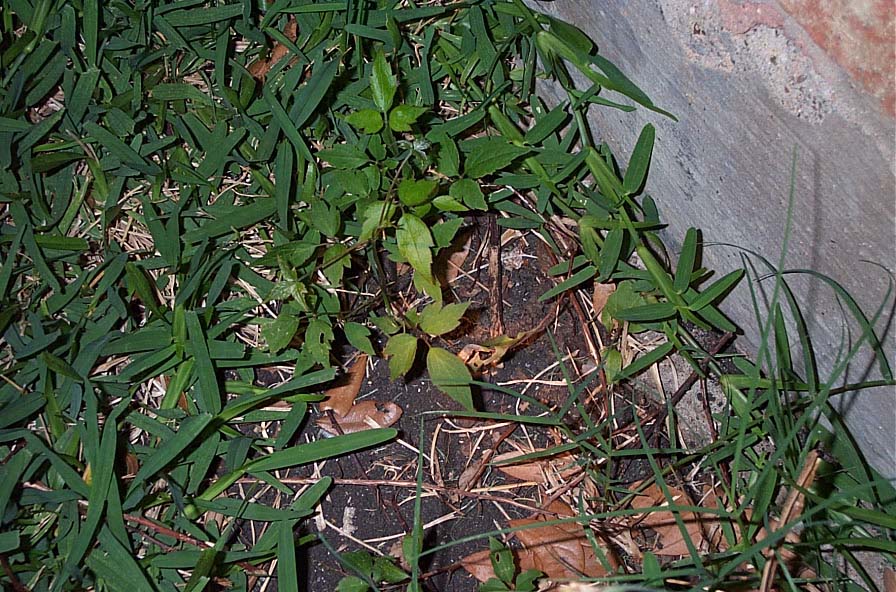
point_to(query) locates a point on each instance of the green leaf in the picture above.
(574, 280)
(609, 254)
(403, 116)
(321, 449)
(287, 569)
(450, 375)
(449, 158)
(344, 156)
(209, 399)
(502, 561)
(319, 340)
(640, 161)
(446, 203)
(179, 92)
(352, 584)
(335, 261)
(9, 541)
(716, 290)
(414, 242)
(438, 320)
(645, 361)
(382, 83)
(468, 192)
(647, 313)
(487, 155)
(686, 261)
(171, 449)
(444, 232)
(279, 332)
(413, 192)
(376, 216)
(359, 337)
(120, 150)
(368, 121)
(401, 349)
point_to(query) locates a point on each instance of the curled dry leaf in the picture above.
(341, 397)
(599, 299)
(260, 68)
(355, 417)
(560, 551)
(562, 465)
(702, 529)
(492, 351)
(362, 416)
(449, 263)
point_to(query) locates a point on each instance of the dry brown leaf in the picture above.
(537, 470)
(260, 68)
(889, 580)
(663, 522)
(354, 417)
(341, 397)
(471, 474)
(362, 416)
(599, 299)
(479, 565)
(560, 551)
(450, 262)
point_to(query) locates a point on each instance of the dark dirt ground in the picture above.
(384, 511)
(380, 515)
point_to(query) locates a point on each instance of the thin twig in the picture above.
(495, 271)
(17, 586)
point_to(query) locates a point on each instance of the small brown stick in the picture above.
(496, 297)
(17, 586)
(793, 508)
(489, 454)
(566, 487)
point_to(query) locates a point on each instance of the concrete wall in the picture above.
(751, 82)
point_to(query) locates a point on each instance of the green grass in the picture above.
(172, 223)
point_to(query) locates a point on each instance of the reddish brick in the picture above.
(859, 35)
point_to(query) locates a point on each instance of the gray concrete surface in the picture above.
(751, 83)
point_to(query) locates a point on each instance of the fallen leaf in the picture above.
(470, 475)
(450, 262)
(350, 416)
(479, 565)
(260, 68)
(493, 350)
(560, 551)
(562, 465)
(889, 580)
(662, 522)
(362, 416)
(341, 397)
(599, 299)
